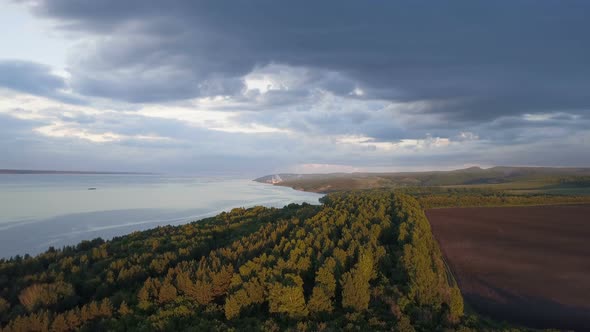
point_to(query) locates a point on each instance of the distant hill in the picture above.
(501, 177)
(29, 171)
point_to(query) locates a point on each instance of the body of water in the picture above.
(38, 211)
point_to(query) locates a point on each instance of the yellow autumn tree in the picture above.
(59, 324)
(325, 286)
(167, 293)
(356, 292)
(124, 309)
(288, 299)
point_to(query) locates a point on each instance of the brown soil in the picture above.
(526, 265)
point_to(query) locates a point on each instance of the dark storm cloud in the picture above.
(488, 58)
(33, 78)
(29, 77)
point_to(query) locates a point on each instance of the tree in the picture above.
(30, 296)
(456, 305)
(4, 305)
(404, 325)
(73, 318)
(255, 290)
(355, 283)
(45, 294)
(325, 276)
(124, 309)
(222, 280)
(144, 300)
(59, 324)
(288, 299)
(93, 310)
(38, 322)
(202, 292)
(105, 309)
(325, 286)
(84, 314)
(320, 301)
(167, 293)
(233, 304)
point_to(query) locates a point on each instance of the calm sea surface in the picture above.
(38, 211)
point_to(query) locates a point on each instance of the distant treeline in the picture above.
(575, 181)
(460, 197)
(362, 261)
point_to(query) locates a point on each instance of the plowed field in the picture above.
(527, 265)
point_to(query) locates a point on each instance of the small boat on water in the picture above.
(91, 188)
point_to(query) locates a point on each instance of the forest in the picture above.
(362, 260)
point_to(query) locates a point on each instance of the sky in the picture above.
(264, 86)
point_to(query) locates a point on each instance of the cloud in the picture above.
(322, 168)
(29, 77)
(61, 130)
(193, 85)
(34, 78)
(484, 59)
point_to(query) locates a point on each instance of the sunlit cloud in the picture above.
(372, 143)
(61, 130)
(323, 168)
(249, 129)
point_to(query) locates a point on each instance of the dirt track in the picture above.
(527, 265)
